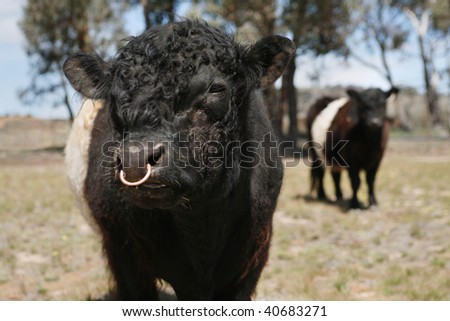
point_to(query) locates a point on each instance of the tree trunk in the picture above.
(66, 94)
(171, 11)
(385, 63)
(421, 27)
(431, 93)
(146, 10)
(69, 109)
(292, 101)
(284, 101)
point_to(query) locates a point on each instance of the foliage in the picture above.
(317, 26)
(381, 27)
(55, 29)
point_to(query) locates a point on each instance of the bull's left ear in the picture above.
(88, 74)
(268, 58)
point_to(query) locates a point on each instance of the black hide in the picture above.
(183, 100)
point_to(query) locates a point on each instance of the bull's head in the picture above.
(370, 105)
(177, 99)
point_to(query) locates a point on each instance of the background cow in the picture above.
(153, 158)
(348, 132)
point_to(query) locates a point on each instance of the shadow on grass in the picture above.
(164, 295)
(342, 205)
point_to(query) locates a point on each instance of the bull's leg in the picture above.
(355, 181)
(133, 277)
(370, 178)
(245, 287)
(336, 173)
(317, 174)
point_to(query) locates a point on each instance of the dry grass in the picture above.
(399, 252)
(47, 250)
(319, 251)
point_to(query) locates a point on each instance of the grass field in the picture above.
(319, 251)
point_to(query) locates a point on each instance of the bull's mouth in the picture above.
(154, 186)
(147, 187)
(153, 193)
(150, 187)
(154, 190)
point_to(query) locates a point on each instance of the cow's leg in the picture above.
(336, 173)
(317, 174)
(355, 181)
(132, 274)
(370, 178)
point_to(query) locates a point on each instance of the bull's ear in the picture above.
(268, 58)
(88, 74)
(352, 93)
(393, 92)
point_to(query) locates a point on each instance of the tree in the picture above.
(380, 25)
(53, 30)
(318, 27)
(431, 22)
(156, 12)
(256, 19)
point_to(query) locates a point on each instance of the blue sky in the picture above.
(15, 71)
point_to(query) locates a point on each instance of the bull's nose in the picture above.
(136, 164)
(124, 178)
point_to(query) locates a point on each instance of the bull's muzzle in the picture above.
(137, 162)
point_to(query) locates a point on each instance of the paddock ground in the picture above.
(320, 251)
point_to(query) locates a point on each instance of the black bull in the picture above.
(165, 208)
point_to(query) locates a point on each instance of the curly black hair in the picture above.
(153, 70)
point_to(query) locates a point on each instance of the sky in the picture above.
(15, 70)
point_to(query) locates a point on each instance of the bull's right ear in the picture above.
(267, 59)
(88, 73)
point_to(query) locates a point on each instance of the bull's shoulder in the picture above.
(77, 144)
(77, 150)
(319, 105)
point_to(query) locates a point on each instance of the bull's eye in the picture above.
(216, 89)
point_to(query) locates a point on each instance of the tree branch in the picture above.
(369, 64)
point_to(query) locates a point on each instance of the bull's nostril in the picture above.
(155, 156)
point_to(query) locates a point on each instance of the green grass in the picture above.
(319, 251)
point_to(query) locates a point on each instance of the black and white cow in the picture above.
(155, 159)
(348, 132)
